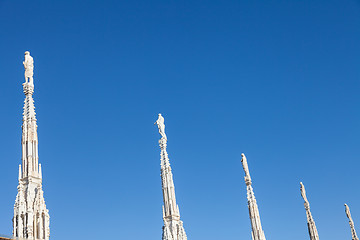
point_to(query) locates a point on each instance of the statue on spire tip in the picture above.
(244, 161)
(303, 192)
(246, 169)
(29, 68)
(347, 211)
(161, 125)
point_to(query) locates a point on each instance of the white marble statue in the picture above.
(347, 211)
(246, 167)
(29, 68)
(303, 192)
(161, 125)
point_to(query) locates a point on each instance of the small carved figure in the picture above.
(161, 126)
(303, 193)
(29, 68)
(245, 165)
(347, 211)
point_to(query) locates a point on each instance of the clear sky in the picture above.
(277, 80)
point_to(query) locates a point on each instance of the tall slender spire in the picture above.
(31, 218)
(351, 223)
(257, 232)
(310, 221)
(29, 141)
(173, 227)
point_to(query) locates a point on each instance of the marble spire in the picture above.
(351, 223)
(310, 221)
(173, 227)
(257, 232)
(31, 217)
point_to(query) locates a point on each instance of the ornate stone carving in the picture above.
(257, 232)
(351, 223)
(313, 233)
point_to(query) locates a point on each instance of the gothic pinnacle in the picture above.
(31, 218)
(351, 223)
(257, 231)
(313, 233)
(173, 227)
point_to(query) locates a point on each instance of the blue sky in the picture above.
(277, 80)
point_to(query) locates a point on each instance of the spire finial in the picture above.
(246, 169)
(29, 68)
(161, 125)
(347, 211)
(29, 73)
(303, 192)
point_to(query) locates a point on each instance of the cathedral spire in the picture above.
(310, 221)
(31, 218)
(257, 231)
(173, 227)
(351, 223)
(29, 134)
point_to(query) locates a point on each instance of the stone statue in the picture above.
(347, 211)
(246, 168)
(161, 126)
(303, 193)
(29, 68)
(245, 165)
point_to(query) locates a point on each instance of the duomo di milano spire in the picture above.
(351, 223)
(256, 230)
(31, 218)
(313, 233)
(173, 227)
